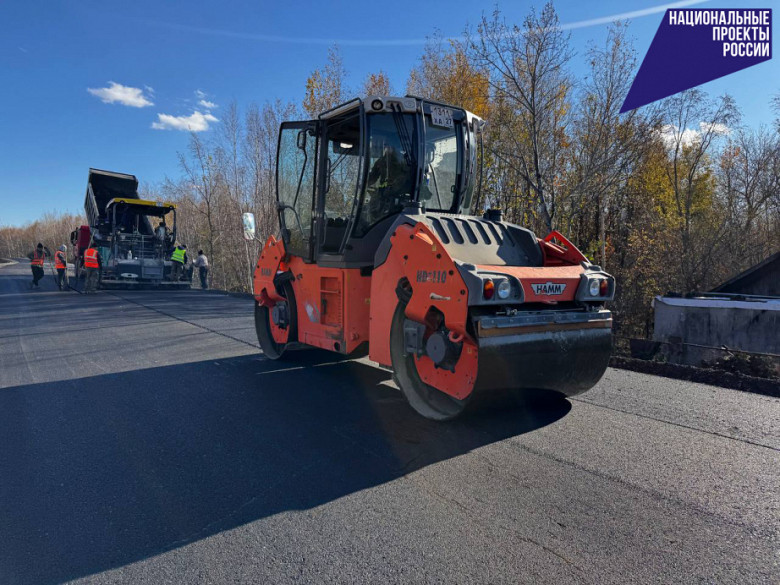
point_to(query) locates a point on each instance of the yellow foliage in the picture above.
(311, 102)
(325, 87)
(377, 84)
(447, 75)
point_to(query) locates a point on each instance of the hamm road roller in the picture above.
(378, 253)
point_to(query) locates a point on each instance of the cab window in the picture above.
(442, 165)
(392, 162)
(342, 174)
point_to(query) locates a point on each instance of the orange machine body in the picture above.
(340, 309)
(332, 303)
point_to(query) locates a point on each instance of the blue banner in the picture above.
(694, 46)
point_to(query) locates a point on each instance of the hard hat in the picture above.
(63, 248)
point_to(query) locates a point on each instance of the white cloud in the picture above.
(720, 129)
(671, 134)
(122, 94)
(195, 122)
(149, 89)
(630, 15)
(202, 101)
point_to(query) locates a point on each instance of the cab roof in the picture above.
(386, 103)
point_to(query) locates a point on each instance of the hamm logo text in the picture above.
(549, 288)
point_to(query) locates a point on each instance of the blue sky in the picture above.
(52, 129)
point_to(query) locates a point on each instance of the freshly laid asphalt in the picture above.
(144, 438)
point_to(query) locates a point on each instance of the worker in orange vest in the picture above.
(92, 265)
(61, 265)
(37, 257)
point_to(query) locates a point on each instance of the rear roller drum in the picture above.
(426, 400)
(277, 326)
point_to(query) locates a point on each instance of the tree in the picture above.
(689, 174)
(606, 144)
(639, 241)
(528, 76)
(198, 194)
(326, 87)
(446, 74)
(749, 183)
(52, 229)
(224, 177)
(377, 84)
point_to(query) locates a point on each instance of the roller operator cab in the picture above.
(378, 253)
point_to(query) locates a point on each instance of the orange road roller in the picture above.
(378, 254)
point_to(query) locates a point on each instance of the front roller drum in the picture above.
(569, 362)
(425, 399)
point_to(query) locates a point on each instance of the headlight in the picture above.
(594, 286)
(503, 289)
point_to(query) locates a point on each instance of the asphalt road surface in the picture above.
(145, 439)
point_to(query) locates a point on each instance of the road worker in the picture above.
(61, 265)
(162, 233)
(178, 260)
(37, 258)
(202, 263)
(92, 266)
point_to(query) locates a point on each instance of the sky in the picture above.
(115, 85)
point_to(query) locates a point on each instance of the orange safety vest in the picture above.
(59, 260)
(37, 260)
(91, 258)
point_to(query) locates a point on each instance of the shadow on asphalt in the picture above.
(99, 472)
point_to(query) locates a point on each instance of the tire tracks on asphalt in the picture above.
(181, 319)
(676, 424)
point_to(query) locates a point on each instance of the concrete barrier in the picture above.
(747, 325)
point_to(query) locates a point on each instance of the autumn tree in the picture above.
(377, 84)
(606, 145)
(639, 240)
(749, 184)
(527, 74)
(446, 74)
(326, 87)
(694, 123)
